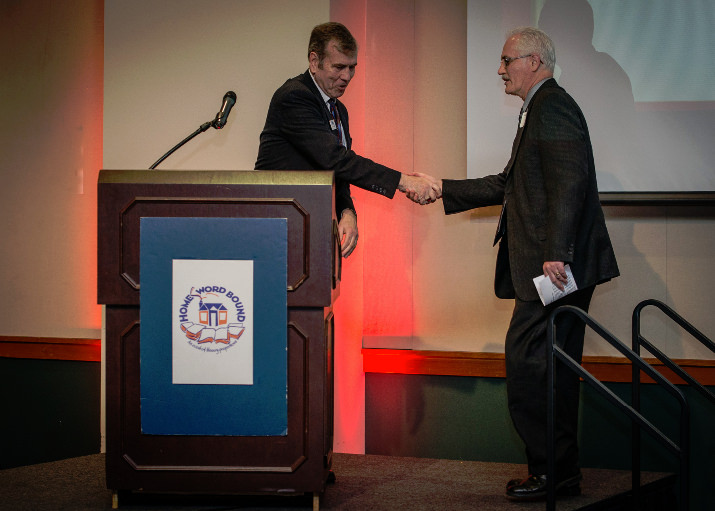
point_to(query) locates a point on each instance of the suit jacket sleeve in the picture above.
(297, 118)
(464, 194)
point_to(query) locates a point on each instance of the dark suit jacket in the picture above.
(297, 136)
(552, 210)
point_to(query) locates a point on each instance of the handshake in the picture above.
(420, 188)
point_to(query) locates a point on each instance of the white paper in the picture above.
(212, 331)
(548, 292)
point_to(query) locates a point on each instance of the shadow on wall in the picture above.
(598, 84)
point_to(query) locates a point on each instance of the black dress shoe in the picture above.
(534, 487)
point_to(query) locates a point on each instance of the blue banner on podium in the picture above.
(213, 332)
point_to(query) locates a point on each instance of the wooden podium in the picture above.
(297, 462)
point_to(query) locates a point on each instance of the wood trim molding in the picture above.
(51, 348)
(491, 365)
(444, 363)
(657, 198)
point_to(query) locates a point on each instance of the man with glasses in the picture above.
(551, 216)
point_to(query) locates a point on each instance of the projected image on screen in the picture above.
(641, 71)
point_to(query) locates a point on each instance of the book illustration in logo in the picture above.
(214, 325)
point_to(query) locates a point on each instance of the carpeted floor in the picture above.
(364, 482)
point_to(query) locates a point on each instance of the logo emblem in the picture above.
(212, 318)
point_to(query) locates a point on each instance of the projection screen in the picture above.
(641, 70)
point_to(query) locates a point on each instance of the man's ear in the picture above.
(534, 61)
(313, 62)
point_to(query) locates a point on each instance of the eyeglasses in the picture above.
(508, 60)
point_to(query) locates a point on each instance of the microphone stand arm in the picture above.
(201, 129)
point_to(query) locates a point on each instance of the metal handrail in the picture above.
(556, 352)
(637, 341)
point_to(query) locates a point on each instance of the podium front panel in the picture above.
(214, 326)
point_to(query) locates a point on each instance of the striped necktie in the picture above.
(336, 118)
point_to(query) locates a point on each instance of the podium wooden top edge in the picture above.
(220, 177)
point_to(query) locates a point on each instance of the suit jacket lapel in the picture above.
(517, 139)
(514, 148)
(308, 81)
(501, 225)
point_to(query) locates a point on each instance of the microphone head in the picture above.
(229, 99)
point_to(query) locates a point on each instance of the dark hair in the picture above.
(326, 32)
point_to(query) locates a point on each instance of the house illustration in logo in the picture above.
(213, 327)
(213, 314)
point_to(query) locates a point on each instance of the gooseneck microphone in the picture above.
(229, 99)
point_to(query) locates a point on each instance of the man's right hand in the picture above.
(420, 188)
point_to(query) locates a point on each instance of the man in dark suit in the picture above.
(551, 216)
(307, 129)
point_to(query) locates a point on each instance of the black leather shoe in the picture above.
(534, 487)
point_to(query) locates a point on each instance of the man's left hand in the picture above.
(348, 232)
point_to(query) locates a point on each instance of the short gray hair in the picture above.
(533, 40)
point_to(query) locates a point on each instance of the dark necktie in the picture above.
(336, 118)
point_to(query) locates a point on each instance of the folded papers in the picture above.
(549, 292)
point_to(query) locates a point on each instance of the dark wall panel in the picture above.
(49, 410)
